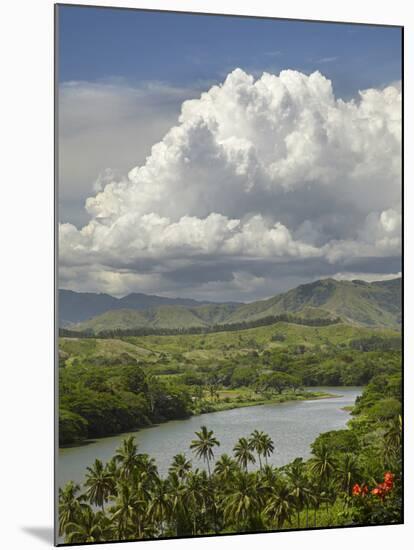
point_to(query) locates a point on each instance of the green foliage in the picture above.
(341, 484)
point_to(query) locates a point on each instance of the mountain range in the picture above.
(376, 304)
(75, 307)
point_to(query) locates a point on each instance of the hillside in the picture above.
(359, 303)
(369, 304)
(75, 307)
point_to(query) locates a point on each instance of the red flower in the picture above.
(364, 490)
(389, 480)
(356, 490)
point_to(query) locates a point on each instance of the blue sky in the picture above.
(184, 49)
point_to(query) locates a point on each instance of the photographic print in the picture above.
(229, 260)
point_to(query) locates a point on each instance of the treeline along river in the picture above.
(292, 426)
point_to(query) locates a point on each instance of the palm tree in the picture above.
(160, 506)
(392, 441)
(323, 464)
(267, 446)
(88, 527)
(126, 505)
(225, 468)
(280, 504)
(203, 446)
(180, 466)
(99, 483)
(195, 496)
(70, 505)
(176, 492)
(242, 505)
(242, 452)
(348, 472)
(127, 456)
(256, 444)
(295, 473)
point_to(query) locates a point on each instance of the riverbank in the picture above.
(227, 400)
(243, 401)
(292, 425)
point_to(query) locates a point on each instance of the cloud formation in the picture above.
(258, 172)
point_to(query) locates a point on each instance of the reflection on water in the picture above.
(292, 426)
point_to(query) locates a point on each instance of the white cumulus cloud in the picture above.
(275, 169)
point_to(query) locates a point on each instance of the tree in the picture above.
(280, 504)
(242, 505)
(127, 457)
(348, 472)
(242, 452)
(99, 484)
(126, 506)
(225, 469)
(180, 466)
(323, 463)
(71, 505)
(256, 444)
(160, 506)
(88, 527)
(203, 446)
(267, 446)
(295, 473)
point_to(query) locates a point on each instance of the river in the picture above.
(292, 426)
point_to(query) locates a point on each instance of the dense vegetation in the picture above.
(113, 385)
(352, 478)
(242, 325)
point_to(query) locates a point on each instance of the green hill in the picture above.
(359, 303)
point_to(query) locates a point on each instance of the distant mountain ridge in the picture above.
(75, 307)
(376, 304)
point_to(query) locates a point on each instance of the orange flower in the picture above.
(389, 480)
(356, 490)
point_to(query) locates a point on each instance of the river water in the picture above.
(292, 426)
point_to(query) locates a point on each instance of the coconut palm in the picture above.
(392, 442)
(179, 512)
(160, 505)
(280, 504)
(225, 468)
(323, 464)
(243, 504)
(195, 496)
(99, 484)
(256, 444)
(88, 527)
(126, 505)
(298, 482)
(71, 505)
(267, 446)
(180, 466)
(348, 472)
(203, 446)
(127, 456)
(242, 452)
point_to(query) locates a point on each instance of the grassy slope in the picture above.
(375, 304)
(216, 345)
(356, 302)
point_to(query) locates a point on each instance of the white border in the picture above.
(26, 220)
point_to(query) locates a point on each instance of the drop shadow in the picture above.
(44, 534)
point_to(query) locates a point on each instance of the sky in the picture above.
(225, 158)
